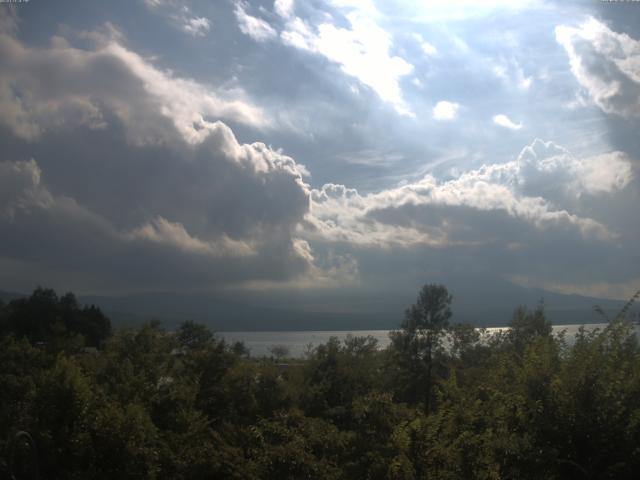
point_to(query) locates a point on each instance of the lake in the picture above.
(297, 343)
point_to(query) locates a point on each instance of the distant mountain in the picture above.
(491, 303)
(224, 314)
(6, 297)
(483, 304)
(475, 300)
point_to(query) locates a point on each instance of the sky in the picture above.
(309, 147)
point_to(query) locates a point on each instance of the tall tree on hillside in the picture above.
(44, 316)
(420, 339)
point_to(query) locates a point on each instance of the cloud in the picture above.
(606, 64)
(162, 231)
(443, 11)
(191, 237)
(298, 34)
(327, 270)
(429, 49)
(19, 182)
(362, 50)
(197, 26)
(535, 192)
(180, 14)
(9, 20)
(136, 182)
(255, 27)
(615, 290)
(426, 47)
(506, 122)
(444, 110)
(57, 233)
(523, 81)
(43, 89)
(547, 216)
(548, 170)
(148, 175)
(284, 8)
(511, 72)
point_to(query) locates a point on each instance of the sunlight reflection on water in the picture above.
(297, 343)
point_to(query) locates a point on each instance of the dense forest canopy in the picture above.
(442, 401)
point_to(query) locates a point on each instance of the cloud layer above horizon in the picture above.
(339, 144)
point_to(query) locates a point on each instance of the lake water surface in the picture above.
(297, 343)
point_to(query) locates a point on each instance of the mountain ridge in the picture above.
(473, 302)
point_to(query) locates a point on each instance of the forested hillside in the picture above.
(443, 401)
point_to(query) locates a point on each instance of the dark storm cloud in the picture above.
(159, 195)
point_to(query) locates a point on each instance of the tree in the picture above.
(34, 316)
(279, 352)
(420, 339)
(465, 342)
(192, 335)
(3, 318)
(45, 317)
(526, 325)
(338, 372)
(95, 326)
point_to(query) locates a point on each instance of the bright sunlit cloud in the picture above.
(362, 51)
(506, 122)
(445, 110)
(434, 11)
(284, 8)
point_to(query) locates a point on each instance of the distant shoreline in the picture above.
(347, 330)
(296, 342)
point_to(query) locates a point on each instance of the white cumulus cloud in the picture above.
(539, 190)
(506, 122)
(444, 110)
(606, 64)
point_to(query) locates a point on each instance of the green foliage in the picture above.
(192, 335)
(417, 348)
(526, 326)
(442, 401)
(293, 446)
(279, 352)
(45, 317)
(335, 374)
